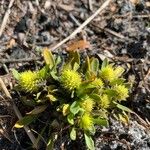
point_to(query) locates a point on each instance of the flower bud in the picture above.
(70, 79)
(28, 81)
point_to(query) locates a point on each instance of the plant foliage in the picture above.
(82, 95)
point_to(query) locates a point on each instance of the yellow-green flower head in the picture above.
(104, 101)
(86, 122)
(122, 92)
(87, 104)
(70, 79)
(28, 81)
(97, 82)
(107, 73)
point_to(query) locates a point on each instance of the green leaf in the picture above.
(73, 134)
(15, 74)
(88, 75)
(101, 121)
(25, 121)
(104, 63)
(111, 92)
(74, 57)
(27, 101)
(96, 97)
(86, 65)
(54, 76)
(75, 108)
(94, 65)
(48, 57)
(100, 113)
(85, 88)
(76, 66)
(124, 108)
(57, 60)
(117, 81)
(70, 118)
(43, 73)
(37, 110)
(89, 142)
(92, 129)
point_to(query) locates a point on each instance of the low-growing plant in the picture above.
(81, 94)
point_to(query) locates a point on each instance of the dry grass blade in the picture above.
(105, 4)
(18, 114)
(4, 22)
(4, 133)
(18, 60)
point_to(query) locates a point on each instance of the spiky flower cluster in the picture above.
(28, 81)
(104, 101)
(97, 82)
(107, 73)
(87, 104)
(70, 79)
(86, 122)
(122, 92)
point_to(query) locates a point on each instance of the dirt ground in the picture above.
(120, 33)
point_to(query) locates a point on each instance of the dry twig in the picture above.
(18, 114)
(105, 4)
(4, 133)
(4, 22)
(18, 60)
(142, 121)
(90, 5)
(118, 35)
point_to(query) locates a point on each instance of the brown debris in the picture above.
(78, 45)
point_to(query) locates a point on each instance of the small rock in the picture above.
(47, 4)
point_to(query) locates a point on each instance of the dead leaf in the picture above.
(11, 43)
(66, 7)
(78, 45)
